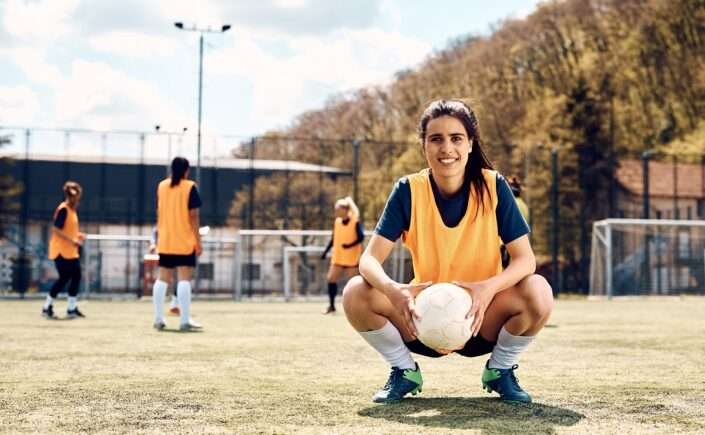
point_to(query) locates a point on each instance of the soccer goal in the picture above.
(647, 257)
(288, 263)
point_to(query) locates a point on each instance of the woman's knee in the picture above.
(538, 295)
(356, 290)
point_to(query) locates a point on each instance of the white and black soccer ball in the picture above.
(442, 308)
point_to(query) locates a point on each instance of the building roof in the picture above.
(691, 183)
(224, 163)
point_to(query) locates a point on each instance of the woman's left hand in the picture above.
(482, 296)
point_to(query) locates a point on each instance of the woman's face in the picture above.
(341, 212)
(446, 147)
(74, 200)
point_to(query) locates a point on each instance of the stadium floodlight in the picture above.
(224, 28)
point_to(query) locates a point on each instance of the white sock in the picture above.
(506, 352)
(389, 343)
(72, 303)
(184, 293)
(174, 301)
(158, 293)
(48, 302)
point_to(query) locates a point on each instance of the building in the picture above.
(676, 190)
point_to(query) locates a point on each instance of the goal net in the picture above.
(647, 257)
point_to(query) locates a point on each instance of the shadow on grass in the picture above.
(179, 331)
(490, 415)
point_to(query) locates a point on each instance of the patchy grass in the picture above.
(628, 367)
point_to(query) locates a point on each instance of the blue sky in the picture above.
(108, 64)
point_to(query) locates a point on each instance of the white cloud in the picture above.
(342, 61)
(133, 44)
(32, 62)
(18, 105)
(100, 97)
(38, 20)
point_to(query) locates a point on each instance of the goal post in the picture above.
(647, 257)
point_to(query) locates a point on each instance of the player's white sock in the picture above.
(48, 302)
(158, 293)
(389, 343)
(72, 303)
(174, 301)
(184, 293)
(506, 352)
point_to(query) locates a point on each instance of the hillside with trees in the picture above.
(599, 80)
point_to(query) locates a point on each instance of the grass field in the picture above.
(622, 367)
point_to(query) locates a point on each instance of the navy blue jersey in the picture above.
(396, 216)
(194, 199)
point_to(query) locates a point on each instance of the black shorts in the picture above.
(476, 346)
(171, 261)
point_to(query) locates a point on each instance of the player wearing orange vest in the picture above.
(63, 249)
(347, 246)
(178, 241)
(452, 217)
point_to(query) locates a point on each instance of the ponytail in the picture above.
(179, 166)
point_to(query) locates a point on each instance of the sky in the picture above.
(122, 65)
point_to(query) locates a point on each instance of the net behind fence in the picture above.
(647, 257)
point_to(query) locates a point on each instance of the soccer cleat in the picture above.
(159, 326)
(400, 383)
(72, 314)
(48, 313)
(504, 382)
(190, 326)
(175, 311)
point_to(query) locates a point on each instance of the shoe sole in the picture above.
(413, 392)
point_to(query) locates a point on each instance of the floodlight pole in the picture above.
(224, 28)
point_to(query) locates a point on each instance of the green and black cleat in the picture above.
(505, 383)
(400, 383)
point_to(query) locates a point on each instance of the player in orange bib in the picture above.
(346, 242)
(64, 250)
(452, 217)
(178, 241)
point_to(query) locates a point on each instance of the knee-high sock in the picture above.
(507, 350)
(388, 342)
(158, 293)
(184, 293)
(332, 292)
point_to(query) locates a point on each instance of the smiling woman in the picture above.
(453, 216)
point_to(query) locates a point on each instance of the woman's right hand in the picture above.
(402, 298)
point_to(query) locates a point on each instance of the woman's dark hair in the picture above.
(179, 166)
(477, 160)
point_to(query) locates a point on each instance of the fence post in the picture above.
(356, 168)
(555, 273)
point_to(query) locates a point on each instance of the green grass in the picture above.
(632, 366)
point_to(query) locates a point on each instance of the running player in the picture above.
(64, 250)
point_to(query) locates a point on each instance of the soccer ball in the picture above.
(442, 308)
